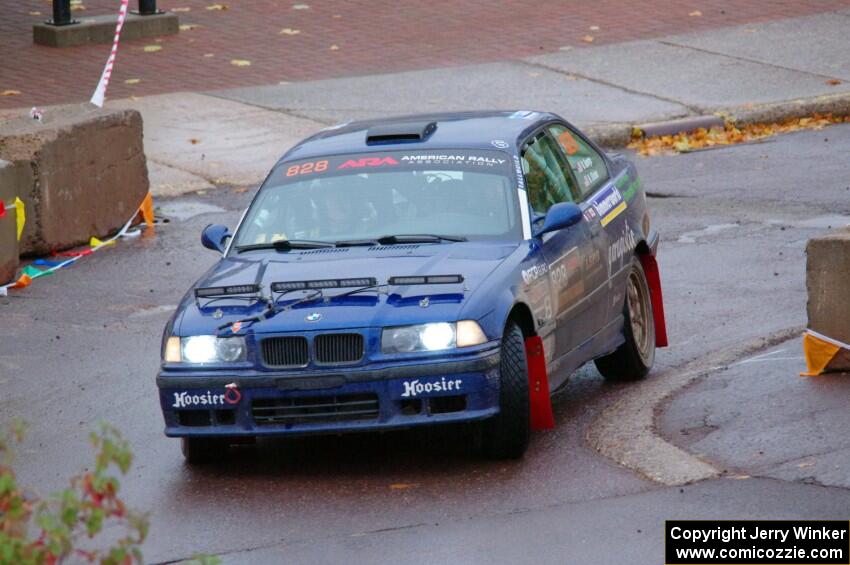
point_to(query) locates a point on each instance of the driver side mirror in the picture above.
(215, 237)
(560, 216)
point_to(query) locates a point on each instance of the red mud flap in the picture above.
(538, 386)
(653, 278)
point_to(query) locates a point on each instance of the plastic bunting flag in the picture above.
(95, 242)
(31, 272)
(35, 272)
(147, 210)
(20, 216)
(820, 351)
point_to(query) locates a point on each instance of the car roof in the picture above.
(455, 130)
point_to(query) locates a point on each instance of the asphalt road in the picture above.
(83, 346)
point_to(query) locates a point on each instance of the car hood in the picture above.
(475, 261)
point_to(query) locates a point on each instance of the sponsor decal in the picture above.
(499, 144)
(608, 205)
(431, 158)
(368, 162)
(520, 179)
(236, 326)
(622, 246)
(534, 272)
(417, 387)
(590, 213)
(187, 399)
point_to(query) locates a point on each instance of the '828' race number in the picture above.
(307, 168)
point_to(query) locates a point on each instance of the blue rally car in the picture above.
(414, 271)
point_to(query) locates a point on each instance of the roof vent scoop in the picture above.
(405, 132)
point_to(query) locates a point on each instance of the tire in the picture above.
(506, 435)
(200, 450)
(633, 360)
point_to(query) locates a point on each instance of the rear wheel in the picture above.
(199, 450)
(633, 360)
(506, 435)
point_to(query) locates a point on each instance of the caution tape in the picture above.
(100, 92)
(30, 272)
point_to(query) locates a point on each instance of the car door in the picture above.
(602, 205)
(548, 182)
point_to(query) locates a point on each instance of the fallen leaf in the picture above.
(289, 31)
(35, 13)
(220, 7)
(594, 28)
(152, 48)
(77, 5)
(184, 9)
(188, 27)
(805, 464)
(240, 63)
(132, 81)
(194, 141)
(695, 14)
(208, 55)
(10, 93)
(240, 190)
(587, 39)
(565, 48)
(833, 82)
(402, 486)
(336, 16)
(533, 74)
(750, 30)
(740, 477)
(300, 7)
(334, 47)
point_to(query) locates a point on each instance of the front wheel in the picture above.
(633, 360)
(506, 435)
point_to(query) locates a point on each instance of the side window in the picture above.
(588, 166)
(545, 176)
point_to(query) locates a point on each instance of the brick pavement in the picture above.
(342, 38)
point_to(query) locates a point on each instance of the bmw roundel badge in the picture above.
(313, 317)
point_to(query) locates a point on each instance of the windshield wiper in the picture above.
(418, 238)
(285, 244)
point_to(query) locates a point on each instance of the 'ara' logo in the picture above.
(368, 162)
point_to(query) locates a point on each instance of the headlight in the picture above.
(431, 337)
(205, 349)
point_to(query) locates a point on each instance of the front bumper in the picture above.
(199, 403)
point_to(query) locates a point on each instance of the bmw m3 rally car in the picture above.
(414, 271)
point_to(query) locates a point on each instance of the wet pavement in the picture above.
(83, 346)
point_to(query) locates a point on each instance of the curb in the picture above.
(619, 134)
(625, 431)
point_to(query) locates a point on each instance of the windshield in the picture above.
(467, 194)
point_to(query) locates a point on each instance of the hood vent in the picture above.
(379, 248)
(325, 250)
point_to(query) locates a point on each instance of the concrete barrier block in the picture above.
(10, 182)
(88, 173)
(828, 285)
(101, 29)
